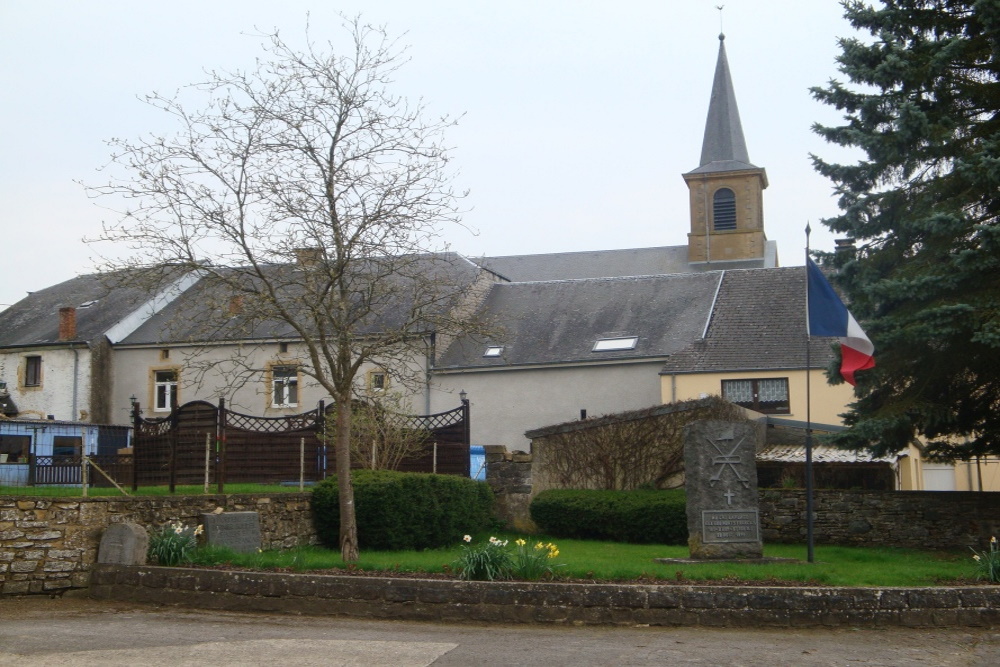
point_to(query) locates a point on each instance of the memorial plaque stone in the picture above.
(123, 544)
(720, 481)
(240, 531)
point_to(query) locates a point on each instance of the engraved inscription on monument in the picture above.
(719, 526)
(720, 481)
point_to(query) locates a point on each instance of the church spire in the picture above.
(727, 211)
(723, 148)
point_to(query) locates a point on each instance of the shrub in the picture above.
(398, 510)
(640, 517)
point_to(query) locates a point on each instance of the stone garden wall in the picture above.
(48, 545)
(915, 519)
(439, 600)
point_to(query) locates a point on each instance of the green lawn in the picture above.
(607, 561)
(186, 490)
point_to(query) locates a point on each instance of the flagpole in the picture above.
(809, 465)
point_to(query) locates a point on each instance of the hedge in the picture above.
(401, 511)
(639, 517)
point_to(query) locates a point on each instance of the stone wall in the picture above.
(453, 601)
(915, 519)
(48, 545)
(509, 476)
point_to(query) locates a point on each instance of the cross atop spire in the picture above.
(723, 148)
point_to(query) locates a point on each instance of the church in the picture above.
(581, 334)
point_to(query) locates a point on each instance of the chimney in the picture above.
(845, 246)
(236, 305)
(67, 323)
(308, 258)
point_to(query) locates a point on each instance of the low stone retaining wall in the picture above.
(914, 519)
(48, 545)
(527, 602)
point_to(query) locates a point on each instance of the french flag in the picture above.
(828, 316)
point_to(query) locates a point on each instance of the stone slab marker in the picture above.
(123, 544)
(240, 531)
(720, 481)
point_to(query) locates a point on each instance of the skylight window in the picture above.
(493, 351)
(612, 344)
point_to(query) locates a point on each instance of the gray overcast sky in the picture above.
(580, 116)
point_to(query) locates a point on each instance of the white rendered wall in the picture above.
(505, 404)
(55, 394)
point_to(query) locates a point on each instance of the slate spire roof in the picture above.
(723, 148)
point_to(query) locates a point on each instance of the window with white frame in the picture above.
(766, 395)
(613, 344)
(284, 386)
(164, 390)
(378, 382)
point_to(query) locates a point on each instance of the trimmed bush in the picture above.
(638, 517)
(399, 510)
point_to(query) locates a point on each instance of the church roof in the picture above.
(723, 148)
(613, 263)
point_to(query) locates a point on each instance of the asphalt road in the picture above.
(43, 631)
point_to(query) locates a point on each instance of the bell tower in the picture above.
(726, 190)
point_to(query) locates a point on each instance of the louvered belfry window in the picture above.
(724, 210)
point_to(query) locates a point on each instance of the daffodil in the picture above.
(467, 538)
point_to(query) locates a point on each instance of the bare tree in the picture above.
(383, 433)
(311, 200)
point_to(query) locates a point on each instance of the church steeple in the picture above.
(726, 188)
(723, 144)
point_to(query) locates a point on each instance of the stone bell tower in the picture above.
(726, 190)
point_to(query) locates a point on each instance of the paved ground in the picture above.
(43, 631)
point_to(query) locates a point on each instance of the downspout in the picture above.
(76, 381)
(431, 352)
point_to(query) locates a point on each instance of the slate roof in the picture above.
(205, 312)
(611, 263)
(559, 321)
(758, 324)
(34, 320)
(723, 148)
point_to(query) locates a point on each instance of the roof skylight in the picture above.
(493, 351)
(612, 344)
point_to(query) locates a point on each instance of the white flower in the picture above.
(467, 538)
(975, 557)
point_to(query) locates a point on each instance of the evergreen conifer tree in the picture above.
(923, 104)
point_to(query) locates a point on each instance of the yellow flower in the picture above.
(993, 540)
(975, 557)
(539, 546)
(519, 542)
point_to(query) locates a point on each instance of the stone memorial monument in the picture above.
(720, 481)
(240, 531)
(123, 544)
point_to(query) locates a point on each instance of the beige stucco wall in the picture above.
(240, 374)
(828, 401)
(57, 395)
(508, 402)
(919, 475)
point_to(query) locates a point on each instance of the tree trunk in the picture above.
(348, 521)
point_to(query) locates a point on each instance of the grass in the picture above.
(182, 490)
(607, 561)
